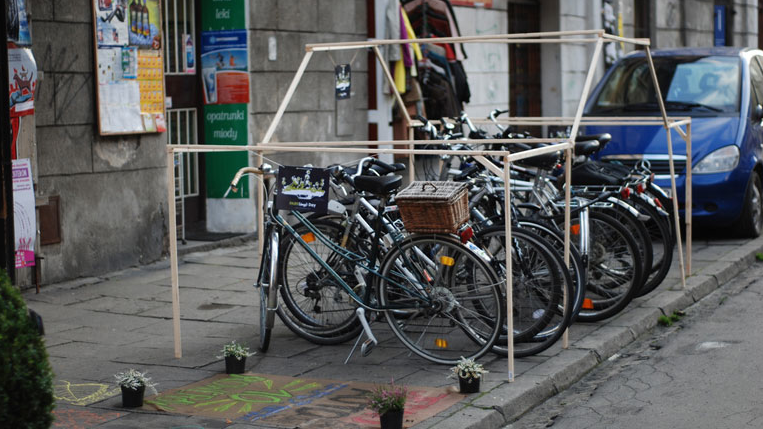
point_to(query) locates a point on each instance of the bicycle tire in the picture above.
(663, 241)
(543, 290)
(456, 309)
(305, 287)
(614, 269)
(266, 279)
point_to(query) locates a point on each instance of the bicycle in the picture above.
(440, 297)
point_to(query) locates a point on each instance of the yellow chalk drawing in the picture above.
(83, 393)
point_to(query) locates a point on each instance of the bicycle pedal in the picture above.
(367, 347)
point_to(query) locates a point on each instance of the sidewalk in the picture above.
(96, 327)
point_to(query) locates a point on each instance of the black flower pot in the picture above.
(469, 384)
(234, 366)
(132, 398)
(392, 419)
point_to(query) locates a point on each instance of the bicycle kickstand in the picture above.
(369, 343)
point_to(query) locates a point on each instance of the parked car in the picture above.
(722, 90)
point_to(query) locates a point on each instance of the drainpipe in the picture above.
(684, 29)
(7, 243)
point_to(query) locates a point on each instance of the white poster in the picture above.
(25, 223)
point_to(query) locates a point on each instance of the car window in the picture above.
(756, 82)
(689, 83)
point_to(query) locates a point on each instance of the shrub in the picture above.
(26, 379)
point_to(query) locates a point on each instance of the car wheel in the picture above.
(750, 223)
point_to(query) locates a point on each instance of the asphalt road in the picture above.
(704, 371)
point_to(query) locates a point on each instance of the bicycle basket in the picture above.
(433, 206)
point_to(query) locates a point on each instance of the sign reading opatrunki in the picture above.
(289, 402)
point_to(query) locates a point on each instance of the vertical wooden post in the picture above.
(287, 98)
(509, 280)
(673, 192)
(174, 252)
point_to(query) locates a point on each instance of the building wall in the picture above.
(113, 210)
(487, 65)
(313, 113)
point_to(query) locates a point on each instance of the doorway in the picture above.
(524, 64)
(182, 87)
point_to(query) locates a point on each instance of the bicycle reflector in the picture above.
(640, 188)
(625, 193)
(309, 237)
(465, 233)
(441, 343)
(587, 304)
(657, 202)
(447, 261)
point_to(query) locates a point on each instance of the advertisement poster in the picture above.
(22, 76)
(303, 189)
(25, 223)
(342, 79)
(145, 25)
(223, 15)
(225, 124)
(224, 67)
(189, 63)
(17, 23)
(111, 23)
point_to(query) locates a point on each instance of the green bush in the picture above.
(26, 379)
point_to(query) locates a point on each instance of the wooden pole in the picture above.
(509, 280)
(173, 253)
(287, 98)
(674, 193)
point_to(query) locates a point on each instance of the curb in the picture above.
(507, 402)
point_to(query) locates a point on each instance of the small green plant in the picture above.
(664, 320)
(388, 397)
(759, 256)
(26, 379)
(672, 318)
(134, 379)
(236, 350)
(467, 368)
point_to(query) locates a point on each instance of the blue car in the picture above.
(722, 90)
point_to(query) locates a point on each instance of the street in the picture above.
(701, 372)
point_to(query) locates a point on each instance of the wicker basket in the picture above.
(433, 206)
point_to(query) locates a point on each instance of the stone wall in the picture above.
(113, 210)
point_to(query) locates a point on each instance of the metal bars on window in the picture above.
(182, 129)
(179, 20)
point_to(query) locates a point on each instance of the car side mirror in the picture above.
(758, 113)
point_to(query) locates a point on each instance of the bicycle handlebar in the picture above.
(265, 170)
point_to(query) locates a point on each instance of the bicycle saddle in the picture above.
(587, 148)
(380, 185)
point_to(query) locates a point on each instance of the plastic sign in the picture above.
(303, 189)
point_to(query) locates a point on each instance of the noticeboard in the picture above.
(128, 66)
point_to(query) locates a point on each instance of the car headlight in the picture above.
(718, 161)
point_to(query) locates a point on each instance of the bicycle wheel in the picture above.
(266, 279)
(444, 300)
(658, 227)
(316, 307)
(636, 227)
(614, 269)
(542, 290)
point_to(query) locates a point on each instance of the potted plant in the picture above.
(133, 384)
(469, 374)
(235, 357)
(388, 401)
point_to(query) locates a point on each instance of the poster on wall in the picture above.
(17, 22)
(22, 81)
(25, 224)
(129, 66)
(111, 23)
(224, 67)
(145, 24)
(472, 3)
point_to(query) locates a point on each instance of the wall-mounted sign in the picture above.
(223, 15)
(129, 67)
(342, 81)
(22, 81)
(225, 67)
(17, 23)
(25, 224)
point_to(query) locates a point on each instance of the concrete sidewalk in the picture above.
(97, 327)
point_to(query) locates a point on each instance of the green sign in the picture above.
(223, 15)
(225, 124)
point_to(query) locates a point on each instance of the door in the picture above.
(524, 67)
(182, 86)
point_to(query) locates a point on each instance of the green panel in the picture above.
(223, 15)
(225, 124)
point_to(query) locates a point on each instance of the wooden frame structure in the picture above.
(599, 37)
